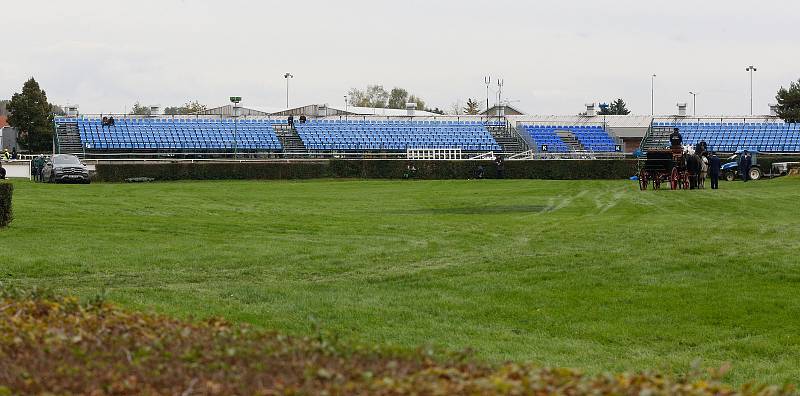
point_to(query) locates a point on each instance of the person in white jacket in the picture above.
(703, 171)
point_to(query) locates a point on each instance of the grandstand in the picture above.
(178, 134)
(728, 135)
(559, 136)
(562, 139)
(325, 135)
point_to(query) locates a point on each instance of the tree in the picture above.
(3, 104)
(57, 110)
(398, 98)
(416, 99)
(138, 109)
(187, 108)
(617, 107)
(472, 108)
(789, 102)
(32, 115)
(373, 96)
(435, 110)
(376, 96)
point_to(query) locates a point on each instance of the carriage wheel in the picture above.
(643, 180)
(674, 179)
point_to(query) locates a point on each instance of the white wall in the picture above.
(17, 169)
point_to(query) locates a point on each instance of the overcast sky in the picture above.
(554, 56)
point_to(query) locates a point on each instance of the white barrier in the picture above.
(18, 169)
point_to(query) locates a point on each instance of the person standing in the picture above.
(701, 182)
(714, 169)
(744, 165)
(38, 168)
(500, 166)
(14, 154)
(676, 139)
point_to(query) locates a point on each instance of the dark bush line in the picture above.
(6, 191)
(367, 169)
(51, 345)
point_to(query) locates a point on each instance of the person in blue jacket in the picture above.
(744, 165)
(714, 169)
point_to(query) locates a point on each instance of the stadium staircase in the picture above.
(571, 141)
(508, 139)
(68, 139)
(656, 137)
(290, 139)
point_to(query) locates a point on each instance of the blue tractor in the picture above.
(730, 170)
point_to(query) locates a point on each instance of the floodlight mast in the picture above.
(694, 102)
(235, 100)
(287, 76)
(653, 95)
(751, 69)
(487, 80)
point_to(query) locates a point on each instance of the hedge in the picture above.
(6, 191)
(366, 169)
(60, 346)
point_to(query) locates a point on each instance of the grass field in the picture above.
(587, 274)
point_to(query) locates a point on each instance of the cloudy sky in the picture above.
(554, 56)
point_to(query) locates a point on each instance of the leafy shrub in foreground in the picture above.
(57, 345)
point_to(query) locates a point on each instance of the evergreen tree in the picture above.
(32, 115)
(789, 102)
(617, 107)
(472, 108)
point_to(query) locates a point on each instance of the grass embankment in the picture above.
(594, 275)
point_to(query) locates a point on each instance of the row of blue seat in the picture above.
(591, 137)
(732, 136)
(395, 135)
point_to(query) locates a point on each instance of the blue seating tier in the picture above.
(179, 134)
(731, 136)
(591, 137)
(343, 135)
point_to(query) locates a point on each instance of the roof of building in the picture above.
(379, 111)
(3, 121)
(227, 110)
(493, 110)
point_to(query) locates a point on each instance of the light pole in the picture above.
(751, 69)
(487, 80)
(287, 76)
(694, 102)
(345, 107)
(500, 109)
(235, 100)
(653, 95)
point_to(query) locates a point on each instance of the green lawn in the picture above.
(588, 274)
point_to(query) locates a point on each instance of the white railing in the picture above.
(572, 155)
(434, 154)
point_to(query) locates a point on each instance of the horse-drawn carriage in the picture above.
(664, 165)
